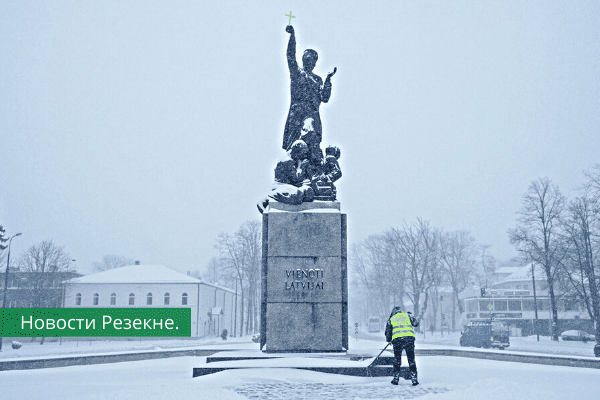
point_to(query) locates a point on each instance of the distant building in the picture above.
(156, 286)
(34, 289)
(511, 300)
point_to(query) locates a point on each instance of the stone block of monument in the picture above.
(304, 304)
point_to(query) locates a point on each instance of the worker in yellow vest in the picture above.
(399, 331)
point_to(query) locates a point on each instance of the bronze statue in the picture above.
(307, 92)
(303, 174)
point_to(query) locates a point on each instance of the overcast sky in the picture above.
(144, 129)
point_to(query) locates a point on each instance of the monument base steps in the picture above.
(343, 365)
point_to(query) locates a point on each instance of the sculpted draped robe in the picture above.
(307, 92)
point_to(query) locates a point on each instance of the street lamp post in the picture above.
(6, 278)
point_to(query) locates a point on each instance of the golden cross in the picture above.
(291, 16)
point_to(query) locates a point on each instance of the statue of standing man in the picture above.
(307, 90)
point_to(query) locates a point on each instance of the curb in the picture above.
(563, 361)
(68, 361)
(99, 359)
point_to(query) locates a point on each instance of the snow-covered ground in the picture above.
(441, 378)
(367, 343)
(55, 348)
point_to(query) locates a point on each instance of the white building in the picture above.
(139, 286)
(511, 300)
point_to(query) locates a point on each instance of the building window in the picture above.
(184, 299)
(96, 298)
(167, 299)
(528, 305)
(78, 299)
(131, 299)
(571, 305)
(514, 305)
(113, 299)
(485, 305)
(500, 305)
(471, 306)
(149, 299)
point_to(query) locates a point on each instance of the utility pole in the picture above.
(442, 318)
(534, 304)
(235, 308)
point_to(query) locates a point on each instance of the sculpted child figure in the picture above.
(292, 179)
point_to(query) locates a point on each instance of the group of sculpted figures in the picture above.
(303, 174)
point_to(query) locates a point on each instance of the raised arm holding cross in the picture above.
(308, 91)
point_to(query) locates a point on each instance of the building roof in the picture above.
(506, 270)
(137, 274)
(523, 274)
(218, 286)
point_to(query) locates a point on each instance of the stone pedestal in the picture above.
(304, 298)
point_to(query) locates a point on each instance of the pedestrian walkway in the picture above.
(324, 391)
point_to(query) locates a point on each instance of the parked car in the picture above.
(485, 334)
(577, 335)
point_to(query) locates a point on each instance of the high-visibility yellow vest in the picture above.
(401, 326)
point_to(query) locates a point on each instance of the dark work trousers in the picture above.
(408, 344)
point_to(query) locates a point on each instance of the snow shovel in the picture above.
(374, 363)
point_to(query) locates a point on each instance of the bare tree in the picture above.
(112, 261)
(379, 275)
(241, 255)
(536, 236)
(437, 279)
(40, 260)
(458, 264)
(592, 185)
(418, 246)
(213, 271)
(232, 260)
(249, 236)
(486, 265)
(582, 233)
